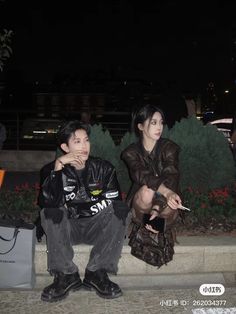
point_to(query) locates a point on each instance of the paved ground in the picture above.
(132, 302)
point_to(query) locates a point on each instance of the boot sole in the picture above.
(89, 286)
(74, 287)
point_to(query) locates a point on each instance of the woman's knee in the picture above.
(142, 201)
(145, 194)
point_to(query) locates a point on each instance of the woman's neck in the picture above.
(148, 144)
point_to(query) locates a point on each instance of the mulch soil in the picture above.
(207, 227)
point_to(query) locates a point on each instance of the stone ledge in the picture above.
(25, 160)
(203, 255)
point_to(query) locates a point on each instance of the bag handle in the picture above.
(16, 231)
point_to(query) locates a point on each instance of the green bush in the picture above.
(102, 145)
(122, 171)
(5, 49)
(206, 161)
(20, 202)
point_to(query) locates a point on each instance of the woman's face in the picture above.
(152, 128)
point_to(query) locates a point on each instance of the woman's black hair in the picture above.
(142, 114)
(68, 128)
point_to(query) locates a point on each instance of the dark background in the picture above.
(176, 47)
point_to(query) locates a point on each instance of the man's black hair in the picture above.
(68, 128)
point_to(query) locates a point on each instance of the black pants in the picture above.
(105, 231)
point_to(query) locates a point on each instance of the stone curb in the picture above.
(192, 255)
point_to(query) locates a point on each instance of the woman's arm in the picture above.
(139, 173)
(170, 174)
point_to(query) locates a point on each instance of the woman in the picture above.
(153, 166)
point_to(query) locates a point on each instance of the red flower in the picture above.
(36, 186)
(17, 188)
(25, 186)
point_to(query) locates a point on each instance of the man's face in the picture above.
(79, 142)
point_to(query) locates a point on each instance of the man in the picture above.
(81, 203)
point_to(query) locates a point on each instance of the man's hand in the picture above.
(74, 159)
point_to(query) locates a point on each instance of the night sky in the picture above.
(187, 43)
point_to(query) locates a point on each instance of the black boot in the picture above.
(100, 282)
(61, 286)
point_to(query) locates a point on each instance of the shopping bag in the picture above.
(17, 249)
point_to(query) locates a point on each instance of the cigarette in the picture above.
(184, 208)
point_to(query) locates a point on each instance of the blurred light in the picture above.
(224, 120)
(199, 117)
(40, 132)
(226, 91)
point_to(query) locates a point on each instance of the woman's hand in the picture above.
(149, 227)
(153, 214)
(173, 200)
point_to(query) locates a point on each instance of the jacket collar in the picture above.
(152, 155)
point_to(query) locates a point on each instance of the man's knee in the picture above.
(54, 214)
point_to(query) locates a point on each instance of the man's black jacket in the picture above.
(84, 192)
